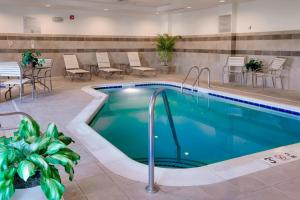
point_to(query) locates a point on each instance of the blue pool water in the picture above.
(209, 129)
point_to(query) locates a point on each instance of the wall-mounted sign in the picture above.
(31, 25)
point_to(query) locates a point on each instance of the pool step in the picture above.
(173, 162)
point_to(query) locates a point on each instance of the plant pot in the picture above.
(164, 63)
(28, 190)
(32, 65)
(29, 194)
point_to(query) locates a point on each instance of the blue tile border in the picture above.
(257, 104)
(109, 87)
(211, 94)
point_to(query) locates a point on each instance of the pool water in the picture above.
(209, 129)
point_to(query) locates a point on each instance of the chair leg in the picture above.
(242, 79)
(274, 82)
(45, 85)
(21, 92)
(50, 81)
(69, 76)
(222, 79)
(281, 81)
(7, 92)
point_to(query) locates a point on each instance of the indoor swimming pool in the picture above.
(210, 128)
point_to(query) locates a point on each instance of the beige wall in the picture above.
(205, 50)
(265, 46)
(54, 46)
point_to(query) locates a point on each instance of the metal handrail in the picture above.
(15, 113)
(152, 187)
(188, 74)
(208, 76)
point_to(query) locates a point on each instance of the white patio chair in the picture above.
(72, 67)
(13, 73)
(135, 64)
(104, 64)
(274, 71)
(235, 65)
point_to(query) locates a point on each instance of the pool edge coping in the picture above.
(119, 163)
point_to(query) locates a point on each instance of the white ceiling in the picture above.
(137, 6)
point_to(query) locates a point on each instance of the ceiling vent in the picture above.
(225, 24)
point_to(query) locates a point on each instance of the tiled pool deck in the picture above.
(94, 182)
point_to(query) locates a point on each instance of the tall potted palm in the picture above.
(29, 159)
(165, 47)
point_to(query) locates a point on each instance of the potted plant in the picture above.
(29, 159)
(31, 58)
(165, 47)
(254, 65)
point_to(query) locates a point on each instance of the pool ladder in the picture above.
(200, 70)
(152, 187)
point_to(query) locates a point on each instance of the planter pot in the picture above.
(28, 190)
(32, 65)
(164, 64)
(29, 194)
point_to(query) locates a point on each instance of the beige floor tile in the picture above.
(247, 184)
(73, 192)
(188, 193)
(291, 188)
(266, 194)
(222, 191)
(137, 191)
(119, 180)
(277, 174)
(94, 184)
(87, 170)
(111, 193)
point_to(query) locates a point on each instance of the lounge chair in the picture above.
(13, 73)
(235, 65)
(135, 64)
(104, 64)
(72, 67)
(273, 71)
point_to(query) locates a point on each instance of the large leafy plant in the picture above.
(165, 47)
(254, 65)
(31, 57)
(29, 152)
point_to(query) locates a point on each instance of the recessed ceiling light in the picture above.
(188, 7)
(47, 5)
(221, 1)
(106, 9)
